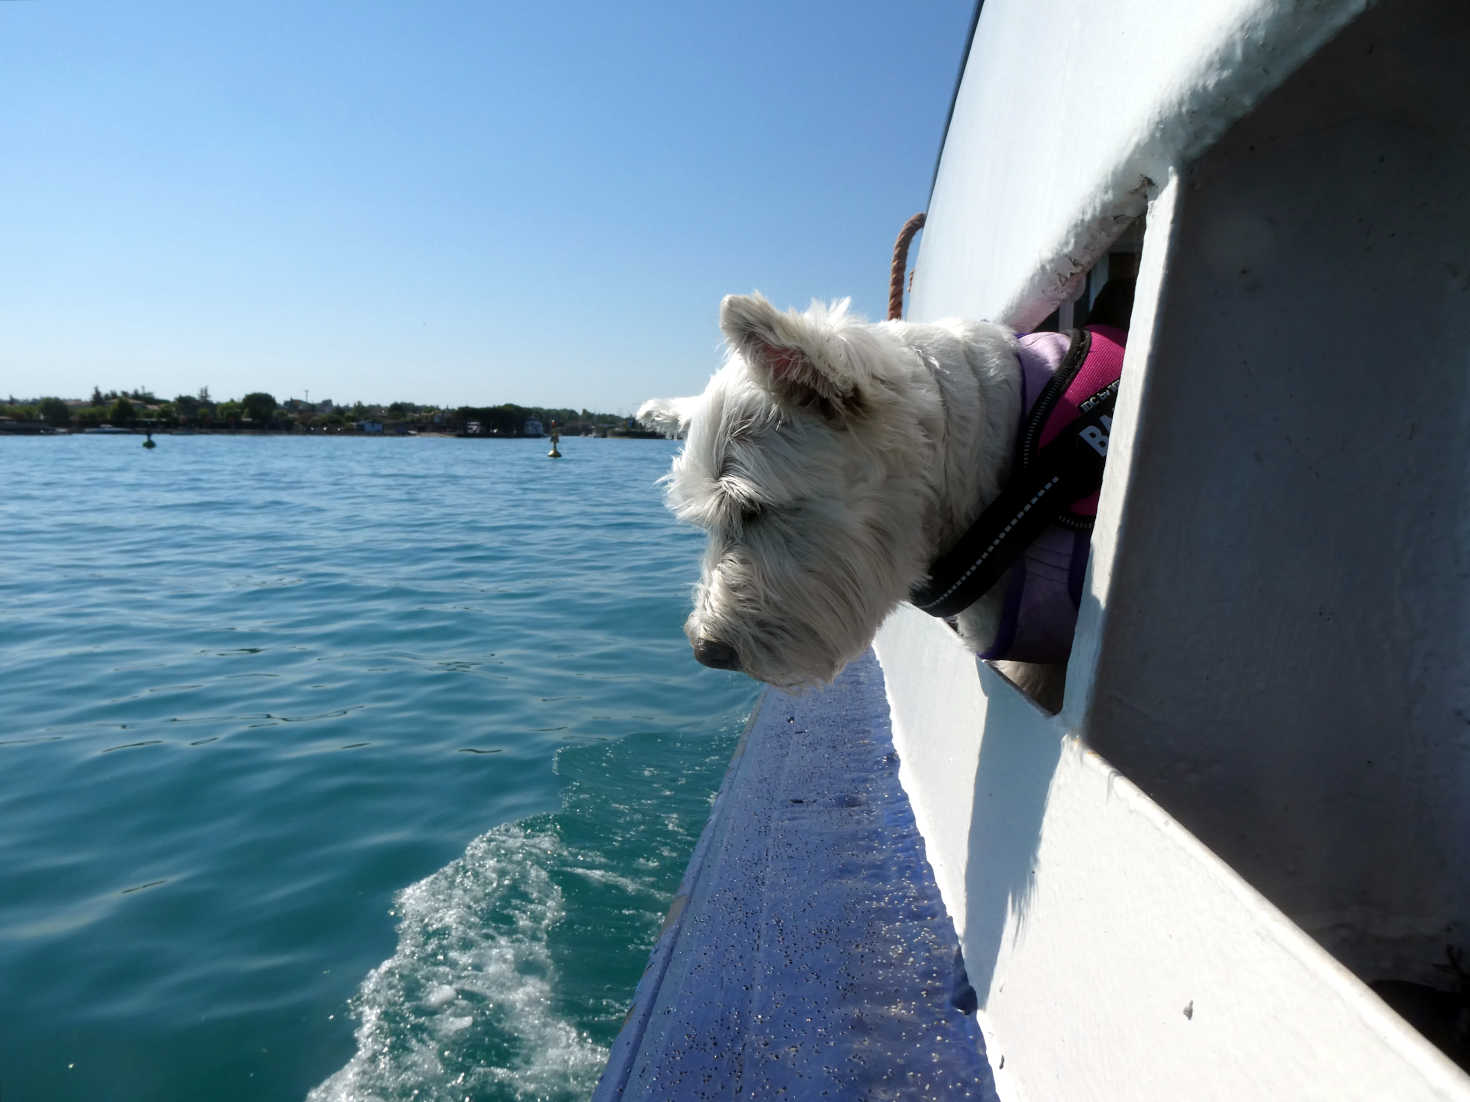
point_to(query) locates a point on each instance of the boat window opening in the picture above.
(1105, 298)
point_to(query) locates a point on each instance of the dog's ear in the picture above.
(794, 357)
(669, 416)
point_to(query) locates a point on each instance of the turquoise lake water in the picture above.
(341, 768)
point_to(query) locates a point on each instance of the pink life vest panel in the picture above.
(1043, 589)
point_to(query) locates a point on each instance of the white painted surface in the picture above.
(1105, 920)
(1090, 919)
(1306, 711)
(1072, 108)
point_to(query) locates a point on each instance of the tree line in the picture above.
(260, 411)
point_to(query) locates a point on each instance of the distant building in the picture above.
(370, 426)
(533, 428)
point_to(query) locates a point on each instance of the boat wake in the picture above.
(516, 962)
(467, 1002)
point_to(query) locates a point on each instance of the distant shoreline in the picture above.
(30, 430)
(141, 411)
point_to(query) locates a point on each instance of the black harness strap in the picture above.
(1067, 468)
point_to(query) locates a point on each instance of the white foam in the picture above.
(614, 880)
(440, 995)
(472, 976)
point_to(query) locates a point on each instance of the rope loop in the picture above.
(900, 265)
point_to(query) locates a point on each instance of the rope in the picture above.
(900, 264)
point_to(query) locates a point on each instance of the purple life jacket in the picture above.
(1035, 538)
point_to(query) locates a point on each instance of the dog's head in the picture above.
(799, 464)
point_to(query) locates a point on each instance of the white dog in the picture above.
(831, 462)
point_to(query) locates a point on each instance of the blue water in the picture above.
(350, 768)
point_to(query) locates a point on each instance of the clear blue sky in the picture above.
(456, 203)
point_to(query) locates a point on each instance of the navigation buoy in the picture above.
(555, 436)
(149, 443)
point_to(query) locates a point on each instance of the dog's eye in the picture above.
(749, 514)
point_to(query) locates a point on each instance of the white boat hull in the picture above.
(1274, 638)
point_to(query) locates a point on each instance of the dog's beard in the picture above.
(791, 623)
(787, 652)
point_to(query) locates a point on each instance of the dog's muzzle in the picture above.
(716, 655)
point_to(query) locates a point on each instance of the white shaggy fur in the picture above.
(830, 460)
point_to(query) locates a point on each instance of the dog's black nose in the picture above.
(716, 655)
